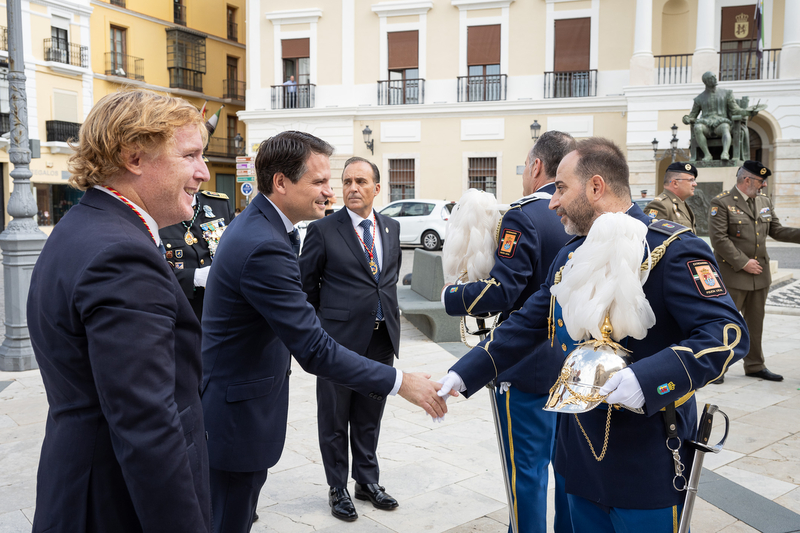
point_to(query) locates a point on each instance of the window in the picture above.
(417, 209)
(401, 179)
(295, 53)
(118, 50)
(232, 68)
(179, 12)
(738, 59)
(231, 125)
(233, 28)
(572, 76)
(483, 62)
(59, 40)
(226, 183)
(403, 87)
(186, 59)
(483, 174)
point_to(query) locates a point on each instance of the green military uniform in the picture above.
(667, 206)
(738, 232)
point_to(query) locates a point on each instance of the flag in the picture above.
(759, 22)
(203, 111)
(211, 124)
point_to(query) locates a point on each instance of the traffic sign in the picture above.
(247, 189)
(245, 159)
(246, 172)
(242, 179)
(245, 165)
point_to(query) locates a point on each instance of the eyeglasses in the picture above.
(761, 180)
(685, 179)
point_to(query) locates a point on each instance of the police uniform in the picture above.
(739, 233)
(529, 239)
(212, 214)
(667, 205)
(697, 333)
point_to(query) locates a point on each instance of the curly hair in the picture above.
(124, 122)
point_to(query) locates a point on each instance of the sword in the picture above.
(700, 447)
(481, 332)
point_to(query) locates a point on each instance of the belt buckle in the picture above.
(377, 325)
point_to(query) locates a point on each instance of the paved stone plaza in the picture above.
(447, 476)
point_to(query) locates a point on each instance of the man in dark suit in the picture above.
(191, 244)
(350, 266)
(256, 314)
(115, 338)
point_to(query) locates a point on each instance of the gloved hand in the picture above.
(452, 382)
(504, 385)
(201, 276)
(624, 389)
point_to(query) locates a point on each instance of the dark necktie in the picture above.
(294, 238)
(369, 246)
(751, 203)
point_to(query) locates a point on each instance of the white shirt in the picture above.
(377, 241)
(149, 221)
(286, 222)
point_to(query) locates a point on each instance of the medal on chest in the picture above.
(188, 238)
(373, 267)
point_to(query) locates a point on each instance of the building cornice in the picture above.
(294, 16)
(66, 5)
(160, 88)
(690, 90)
(397, 9)
(480, 4)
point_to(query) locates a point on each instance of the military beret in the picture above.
(682, 166)
(757, 169)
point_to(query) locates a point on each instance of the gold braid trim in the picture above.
(658, 251)
(489, 282)
(551, 317)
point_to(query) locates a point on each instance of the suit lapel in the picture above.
(385, 242)
(351, 239)
(272, 216)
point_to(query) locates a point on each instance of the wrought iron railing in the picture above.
(482, 88)
(571, 84)
(124, 66)
(60, 131)
(673, 69)
(118, 3)
(63, 51)
(3, 38)
(233, 31)
(233, 89)
(181, 78)
(398, 92)
(179, 13)
(293, 96)
(749, 65)
(223, 147)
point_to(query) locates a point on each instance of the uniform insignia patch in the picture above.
(168, 255)
(178, 254)
(688, 167)
(453, 290)
(208, 212)
(179, 264)
(652, 213)
(706, 278)
(508, 243)
(763, 171)
(713, 211)
(765, 210)
(665, 388)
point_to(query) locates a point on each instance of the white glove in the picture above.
(201, 276)
(626, 389)
(504, 385)
(451, 381)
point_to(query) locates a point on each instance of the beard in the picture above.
(579, 216)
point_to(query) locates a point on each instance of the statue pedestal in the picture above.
(713, 177)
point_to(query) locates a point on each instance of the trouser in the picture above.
(528, 438)
(588, 517)
(339, 407)
(752, 306)
(234, 496)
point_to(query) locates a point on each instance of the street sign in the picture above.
(245, 165)
(243, 179)
(247, 189)
(246, 172)
(246, 159)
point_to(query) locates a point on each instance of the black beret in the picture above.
(757, 169)
(682, 166)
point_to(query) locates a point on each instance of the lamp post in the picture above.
(238, 143)
(535, 128)
(367, 133)
(22, 240)
(673, 151)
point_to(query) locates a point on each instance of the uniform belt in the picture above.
(379, 324)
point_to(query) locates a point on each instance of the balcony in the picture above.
(60, 131)
(181, 78)
(747, 65)
(124, 66)
(486, 88)
(400, 92)
(233, 89)
(118, 3)
(284, 98)
(574, 84)
(3, 38)
(179, 14)
(222, 147)
(673, 69)
(233, 31)
(61, 51)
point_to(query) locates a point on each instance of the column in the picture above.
(642, 67)
(790, 52)
(705, 56)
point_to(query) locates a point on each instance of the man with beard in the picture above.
(697, 333)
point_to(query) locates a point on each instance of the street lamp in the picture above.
(238, 143)
(368, 139)
(673, 147)
(535, 127)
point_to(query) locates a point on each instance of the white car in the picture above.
(421, 221)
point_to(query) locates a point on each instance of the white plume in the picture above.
(603, 277)
(468, 251)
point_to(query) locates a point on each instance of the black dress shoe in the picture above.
(341, 505)
(719, 381)
(255, 517)
(766, 374)
(376, 494)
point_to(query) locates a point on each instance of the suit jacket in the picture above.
(255, 315)
(339, 284)
(738, 235)
(698, 333)
(667, 206)
(184, 258)
(119, 351)
(531, 235)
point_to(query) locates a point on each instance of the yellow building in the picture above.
(77, 52)
(450, 89)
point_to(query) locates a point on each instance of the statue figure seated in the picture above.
(720, 116)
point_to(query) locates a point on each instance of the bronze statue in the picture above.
(719, 112)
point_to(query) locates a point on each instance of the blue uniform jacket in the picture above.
(696, 337)
(255, 314)
(530, 237)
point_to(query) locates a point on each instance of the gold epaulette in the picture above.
(720, 195)
(212, 194)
